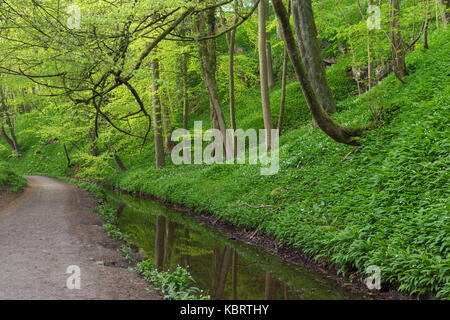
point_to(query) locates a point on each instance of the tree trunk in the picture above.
(369, 57)
(265, 99)
(231, 37)
(6, 138)
(283, 80)
(207, 52)
(159, 145)
(397, 50)
(12, 134)
(308, 44)
(117, 159)
(167, 129)
(346, 135)
(93, 149)
(445, 11)
(4, 112)
(184, 66)
(69, 164)
(369, 53)
(119, 162)
(270, 74)
(283, 92)
(425, 28)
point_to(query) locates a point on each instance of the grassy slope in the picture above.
(9, 179)
(385, 205)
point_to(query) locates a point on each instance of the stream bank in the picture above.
(293, 257)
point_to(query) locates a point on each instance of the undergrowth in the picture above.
(10, 179)
(384, 203)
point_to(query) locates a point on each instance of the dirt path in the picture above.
(50, 227)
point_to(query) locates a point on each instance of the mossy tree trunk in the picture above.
(157, 122)
(445, 11)
(283, 81)
(342, 134)
(397, 49)
(207, 50)
(231, 39)
(6, 137)
(308, 44)
(263, 74)
(184, 68)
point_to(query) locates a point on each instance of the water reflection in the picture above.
(223, 268)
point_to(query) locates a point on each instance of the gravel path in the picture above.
(50, 227)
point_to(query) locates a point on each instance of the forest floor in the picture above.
(50, 227)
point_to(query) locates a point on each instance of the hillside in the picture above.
(384, 203)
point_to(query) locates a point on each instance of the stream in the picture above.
(223, 268)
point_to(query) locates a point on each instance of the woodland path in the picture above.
(50, 227)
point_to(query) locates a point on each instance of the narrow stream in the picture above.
(225, 269)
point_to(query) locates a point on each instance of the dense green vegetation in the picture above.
(176, 285)
(383, 202)
(10, 179)
(386, 205)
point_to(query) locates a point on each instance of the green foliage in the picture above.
(386, 204)
(107, 214)
(10, 179)
(176, 285)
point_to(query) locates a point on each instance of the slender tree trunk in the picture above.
(167, 128)
(369, 55)
(12, 134)
(425, 28)
(283, 80)
(4, 111)
(117, 160)
(6, 137)
(308, 44)
(231, 37)
(184, 66)
(93, 149)
(397, 50)
(207, 52)
(347, 135)
(270, 74)
(69, 164)
(265, 98)
(159, 145)
(283, 92)
(445, 11)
